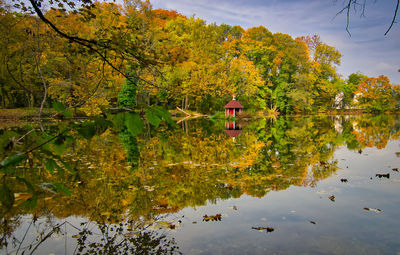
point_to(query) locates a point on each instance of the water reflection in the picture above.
(233, 128)
(123, 179)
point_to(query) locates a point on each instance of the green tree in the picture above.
(127, 94)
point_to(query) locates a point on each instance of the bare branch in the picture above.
(90, 44)
(394, 17)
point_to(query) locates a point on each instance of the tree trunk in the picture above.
(40, 71)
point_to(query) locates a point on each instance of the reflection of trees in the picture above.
(376, 131)
(131, 146)
(128, 237)
(179, 168)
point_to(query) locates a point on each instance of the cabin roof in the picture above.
(233, 133)
(233, 104)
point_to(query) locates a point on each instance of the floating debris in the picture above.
(383, 175)
(165, 225)
(332, 198)
(261, 229)
(395, 169)
(376, 210)
(233, 207)
(216, 217)
(313, 222)
(148, 188)
(322, 192)
(343, 180)
(132, 233)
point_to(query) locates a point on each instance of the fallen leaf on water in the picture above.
(132, 233)
(194, 222)
(313, 222)
(216, 217)
(148, 188)
(261, 229)
(395, 169)
(165, 224)
(383, 175)
(332, 198)
(343, 180)
(373, 209)
(76, 236)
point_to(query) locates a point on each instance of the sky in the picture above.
(367, 50)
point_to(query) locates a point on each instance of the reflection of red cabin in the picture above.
(232, 128)
(233, 108)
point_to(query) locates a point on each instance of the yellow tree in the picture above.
(375, 94)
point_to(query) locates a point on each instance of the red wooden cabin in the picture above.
(233, 108)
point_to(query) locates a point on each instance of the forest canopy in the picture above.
(86, 53)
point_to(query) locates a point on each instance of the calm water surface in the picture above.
(304, 185)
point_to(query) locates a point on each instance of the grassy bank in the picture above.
(24, 113)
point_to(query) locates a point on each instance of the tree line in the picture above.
(136, 56)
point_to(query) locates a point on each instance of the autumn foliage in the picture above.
(179, 61)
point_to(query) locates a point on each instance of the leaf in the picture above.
(12, 160)
(68, 167)
(6, 196)
(59, 149)
(152, 117)
(27, 184)
(87, 131)
(67, 113)
(50, 165)
(118, 120)
(92, 128)
(6, 140)
(134, 123)
(59, 187)
(163, 113)
(376, 210)
(332, 198)
(58, 106)
(55, 187)
(383, 175)
(261, 229)
(30, 203)
(216, 217)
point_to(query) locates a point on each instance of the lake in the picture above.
(290, 185)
